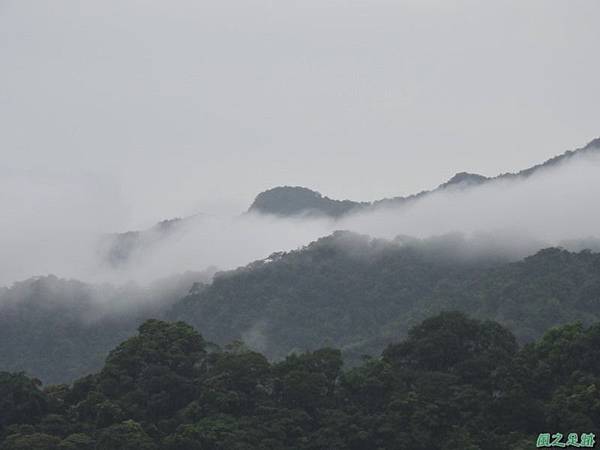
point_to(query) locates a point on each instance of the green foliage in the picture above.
(128, 435)
(60, 330)
(359, 294)
(77, 441)
(295, 200)
(452, 343)
(21, 400)
(344, 291)
(151, 373)
(453, 383)
(33, 441)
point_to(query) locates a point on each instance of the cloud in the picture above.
(510, 218)
(553, 205)
(187, 101)
(120, 113)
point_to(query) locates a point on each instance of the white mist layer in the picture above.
(554, 205)
(512, 218)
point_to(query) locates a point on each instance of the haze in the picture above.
(174, 108)
(117, 114)
(507, 219)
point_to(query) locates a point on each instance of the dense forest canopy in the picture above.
(358, 293)
(346, 290)
(59, 330)
(453, 383)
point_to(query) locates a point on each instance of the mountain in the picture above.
(59, 330)
(593, 147)
(295, 200)
(116, 249)
(358, 293)
(119, 249)
(464, 179)
(344, 290)
(288, 201)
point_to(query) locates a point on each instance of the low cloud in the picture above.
(509, 218)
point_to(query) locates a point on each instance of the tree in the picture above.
(33, 441)
(128, 435)
(21, 399)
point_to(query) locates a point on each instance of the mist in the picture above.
(556, 205)
(508, 218)
(116, 115)
(196, 106)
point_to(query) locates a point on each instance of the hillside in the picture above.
(344, 290)
(358, 293)
(293, 201)
(59, 330)
(116, 249)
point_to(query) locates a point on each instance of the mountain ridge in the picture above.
(289, 201)
(356, 293)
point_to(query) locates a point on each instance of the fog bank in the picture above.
(513, 218)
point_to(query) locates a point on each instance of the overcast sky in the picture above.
(133, 111)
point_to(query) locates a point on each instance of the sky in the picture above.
(115, 114)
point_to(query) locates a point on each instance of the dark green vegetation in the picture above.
(59, 330)
(346, 291)
(358, 294)
(454, 383)
(294, 201)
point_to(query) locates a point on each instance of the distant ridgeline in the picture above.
(453, 384)
(295, 200)
(290, 201)
(117, 249)
(59, 330)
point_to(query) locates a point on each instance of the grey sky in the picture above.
(133, 111)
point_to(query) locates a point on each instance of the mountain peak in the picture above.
(297, 200)
(465, 179)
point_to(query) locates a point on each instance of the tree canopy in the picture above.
(454, 382)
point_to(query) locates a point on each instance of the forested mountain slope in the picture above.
(59, 330)
(345, 290)
(357, 293)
